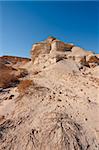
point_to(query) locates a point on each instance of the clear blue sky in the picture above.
(27, 22)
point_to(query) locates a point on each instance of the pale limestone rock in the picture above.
(77, 51)
(53, 50)
(57, 45)
(97, 55)
(50, 45)
(40, 48)
(50, 39)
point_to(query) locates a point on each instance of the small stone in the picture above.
(59, 100)
(86, 119)
(11, 96)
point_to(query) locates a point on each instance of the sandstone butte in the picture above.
(51, 101)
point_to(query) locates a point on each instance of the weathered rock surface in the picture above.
(59, 110)
(50, 45)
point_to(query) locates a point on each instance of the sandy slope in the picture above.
(58, 111)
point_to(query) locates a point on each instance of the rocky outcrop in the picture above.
(40, 48)
(53, 50)
(77, 51)
(43, 47)
(93, 59)
(58, 45)
(89, 60)
(50, 45)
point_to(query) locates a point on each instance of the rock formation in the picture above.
(48, 46)
(52, 50)
(55, 105)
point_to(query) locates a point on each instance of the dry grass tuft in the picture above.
(7, 79)
(24, 85)
(9, 76)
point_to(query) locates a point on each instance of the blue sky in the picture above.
(23, 23)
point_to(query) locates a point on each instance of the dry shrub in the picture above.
(2, 118)
(57, 131)
(7, 79)
(9, 76)
(24, 85)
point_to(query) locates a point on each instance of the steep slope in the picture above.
(56, 105)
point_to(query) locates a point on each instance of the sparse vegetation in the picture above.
(9, 76)
(4, 127)
(2, 117)
(24, 85)
(8, 80)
